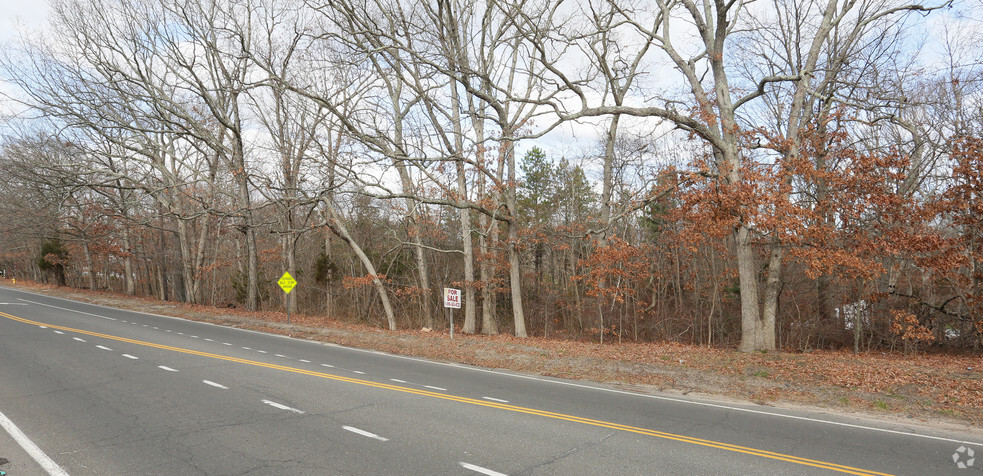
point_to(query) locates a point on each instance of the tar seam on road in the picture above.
(490, 404)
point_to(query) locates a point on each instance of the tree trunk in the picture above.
(328, 285)
(91, 276)
(769, 313)
(413, 229)
(489, 323)
(470, 323)
(128, 270)
(515, 270)
(747, 269)
(290, 261)
(339, 229)
(607, 185)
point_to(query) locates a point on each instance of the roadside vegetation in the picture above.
(789, 179)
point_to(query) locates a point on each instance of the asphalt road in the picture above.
(97, 390)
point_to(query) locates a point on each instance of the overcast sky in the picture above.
(30, 13)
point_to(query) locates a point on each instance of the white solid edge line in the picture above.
(668, 399)
(479, 469)
(365, 433)
(216, 385)
(69, 310)
(32, 449)
(530, 377)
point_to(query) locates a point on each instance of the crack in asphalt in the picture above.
(575, 449)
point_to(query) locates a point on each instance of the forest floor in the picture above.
(923, 388)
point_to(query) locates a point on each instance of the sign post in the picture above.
(452, 300)
(287, 283)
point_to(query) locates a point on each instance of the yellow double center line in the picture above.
(513, 408)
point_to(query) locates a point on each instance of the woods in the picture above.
(765, 175)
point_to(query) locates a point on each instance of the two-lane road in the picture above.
(105, 391)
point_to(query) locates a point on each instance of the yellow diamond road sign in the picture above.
(287, 282)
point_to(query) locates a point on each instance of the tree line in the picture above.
(781, 174)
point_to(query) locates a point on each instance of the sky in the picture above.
(30, 13)
(572, 140)
(18, 15)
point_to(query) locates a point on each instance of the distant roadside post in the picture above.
(287, 283)
(452, 300)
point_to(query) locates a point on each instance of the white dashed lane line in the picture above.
(103, 347)
(365, 433)
(282, 407)
(479, 469)
(496, 399)
(43, 327)
(59, 332)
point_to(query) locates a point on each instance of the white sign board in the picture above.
(452, 298)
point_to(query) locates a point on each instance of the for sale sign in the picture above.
(452, 298)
